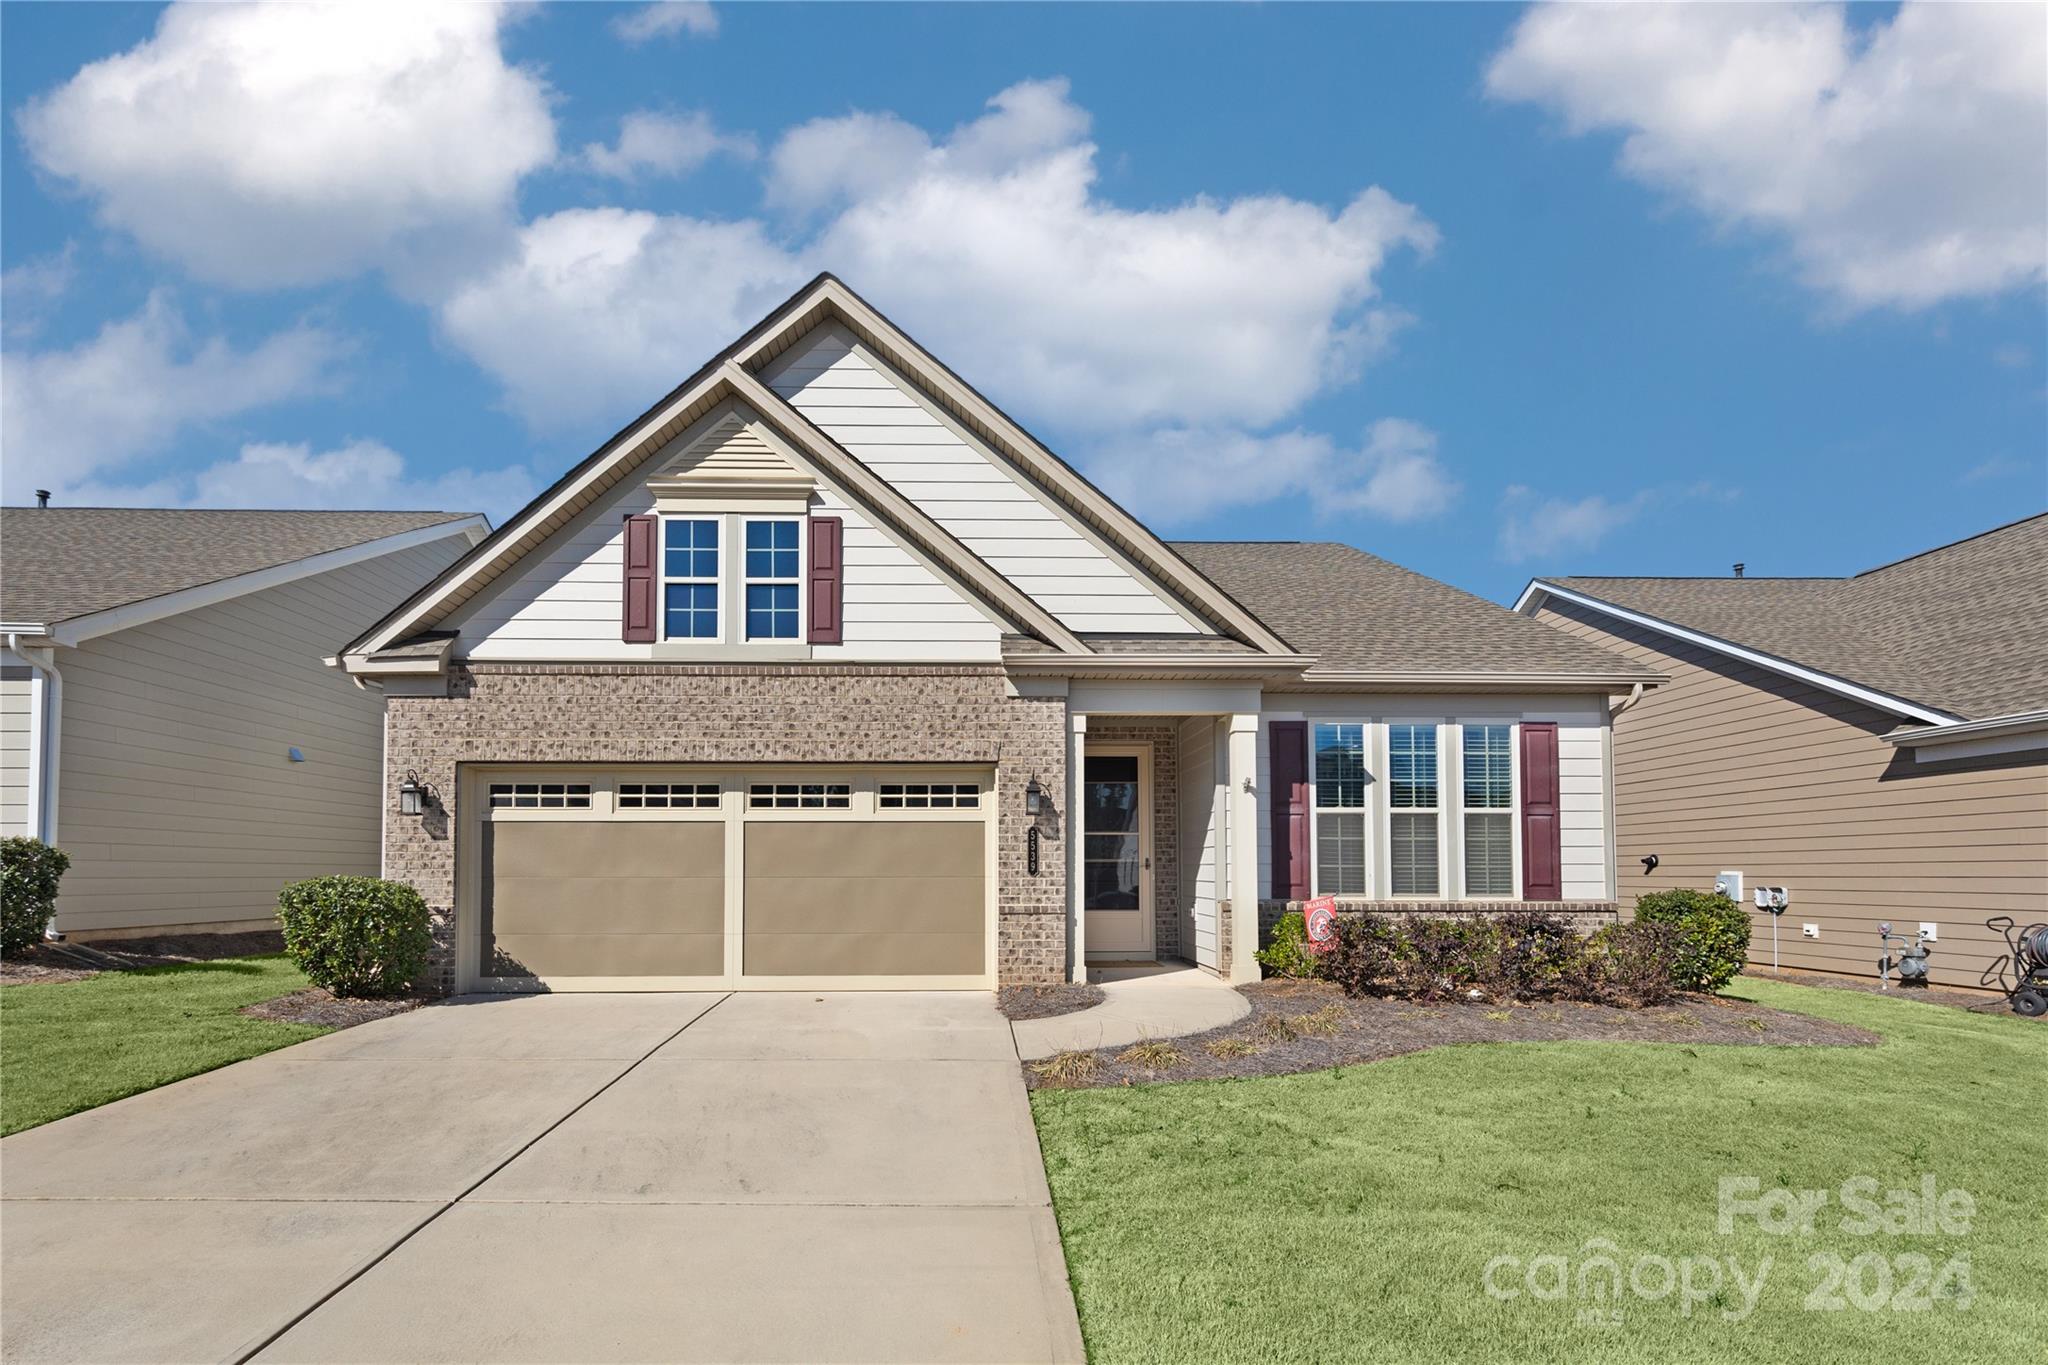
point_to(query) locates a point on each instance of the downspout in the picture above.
(1635, 694)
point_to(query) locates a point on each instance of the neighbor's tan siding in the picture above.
(179, 804)
(1731, 767)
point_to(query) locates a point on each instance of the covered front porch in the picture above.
(1163, 782)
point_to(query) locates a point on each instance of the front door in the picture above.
(1116, 851)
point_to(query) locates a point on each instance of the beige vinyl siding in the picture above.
(1201, 830)
(1730, 767)
(17, 741)
(966, 489)
(562, 600)
(179, 803)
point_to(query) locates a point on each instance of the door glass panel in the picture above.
(1110, 851)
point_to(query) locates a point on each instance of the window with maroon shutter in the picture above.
(1542, 840)
(827, 580)
(637, 611)
(1289, 813)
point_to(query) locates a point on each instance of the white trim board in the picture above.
(1883, 701)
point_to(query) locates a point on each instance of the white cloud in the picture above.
(992, 247)
(1535, 527)
(656, 144)
(356, 475)
(666, 19)
(29, 290)
(1183, 474)
(604, 310)
(68, 417)
(267, 145)
(1905, 162)
(1999, 467)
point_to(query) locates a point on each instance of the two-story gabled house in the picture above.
(824, 672)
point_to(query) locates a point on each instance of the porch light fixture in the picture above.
(1034, 796)
(411, 795)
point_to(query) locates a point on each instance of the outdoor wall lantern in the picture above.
(411, 795)
(1034, 796)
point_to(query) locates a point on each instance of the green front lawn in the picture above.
(67, 1046)
(1352, 1214)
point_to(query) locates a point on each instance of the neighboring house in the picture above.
(166, 716)
(1878, 744)
(825, 672)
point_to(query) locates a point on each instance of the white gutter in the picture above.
(1471, 680)
(2016, 733)
(1827, 682)
(45, 753)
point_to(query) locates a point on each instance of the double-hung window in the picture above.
(1340, 810)
(1489, 797)
(773, 586)
(1413, 813)
(689, 578)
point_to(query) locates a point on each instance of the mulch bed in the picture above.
(1311, 1026)
(315, 1005)
(1974, 1001)
(1046, 1002)
(77, 961)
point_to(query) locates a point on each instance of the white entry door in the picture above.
(1116, 851)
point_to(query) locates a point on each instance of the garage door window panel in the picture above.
(540, 795)
(800, 796)
(929, 796)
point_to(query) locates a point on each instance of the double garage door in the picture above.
(681, 879)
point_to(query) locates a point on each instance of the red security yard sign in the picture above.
(1320, 915)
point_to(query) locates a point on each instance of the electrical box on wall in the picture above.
(1810, 930)
(1729, 884)
(1930, 932)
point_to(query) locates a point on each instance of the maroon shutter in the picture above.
(636, 617)
(1542, 844)
(827, 580)
(1290, 809)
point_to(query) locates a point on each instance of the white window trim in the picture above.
(1513, 809)
(1363, 813)
(747, 580)
(717, 580)
(1388, 810)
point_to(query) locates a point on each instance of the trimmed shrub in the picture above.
(1712, 935)
(356, 935)
(1287, 952)
(1365, 958)
(1626, 964)
(29, 872)
(1533, 958)
(1443, 959)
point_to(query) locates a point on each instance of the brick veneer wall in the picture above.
(642, 713)
(1164, 741)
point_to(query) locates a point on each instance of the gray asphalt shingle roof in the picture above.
(1359, 613)
(57, 563)
(1962, 628)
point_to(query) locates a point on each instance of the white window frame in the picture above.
(717, 580)
(746, 581)
(1513, 809)
(1363, 812)
(1388, 810)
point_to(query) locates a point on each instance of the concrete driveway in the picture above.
(783, 1177)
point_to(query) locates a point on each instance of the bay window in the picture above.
(1340, 787)
(1488, 810)
(1413, 812)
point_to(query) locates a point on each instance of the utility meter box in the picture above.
(1729, 884)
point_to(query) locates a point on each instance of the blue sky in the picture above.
(1490, 292)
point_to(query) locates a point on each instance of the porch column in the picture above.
(1243, 799)
(1077, 916)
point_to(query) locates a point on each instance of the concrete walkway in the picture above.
(786, 1177)
(1168, 1000)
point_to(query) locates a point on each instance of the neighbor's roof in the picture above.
(1357, 613)
(1961, 629)
(57, 563)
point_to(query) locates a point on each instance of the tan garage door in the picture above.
(580, 898)
(894, 897)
